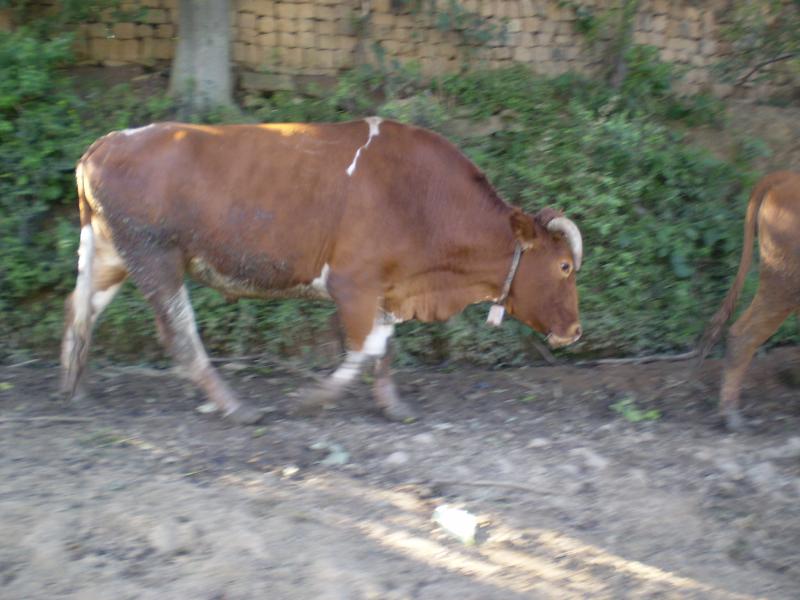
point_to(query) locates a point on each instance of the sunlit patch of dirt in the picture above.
(603, 482)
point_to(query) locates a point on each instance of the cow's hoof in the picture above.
(313, 401)
(390, 404)
(733, 421)
(244, 414)
(399, 412)
(67, 393)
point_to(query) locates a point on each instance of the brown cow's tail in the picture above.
(714, 328)
(78, 306)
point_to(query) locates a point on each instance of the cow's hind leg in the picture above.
(761, 319)
(160, 279)
(178, 332)
(101, 273)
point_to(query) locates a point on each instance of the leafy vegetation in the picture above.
(44, 127)
(661, 219)
(761, 34)
(453, 16)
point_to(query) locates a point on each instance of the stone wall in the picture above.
(285, 38)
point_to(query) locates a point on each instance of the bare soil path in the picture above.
(138, 495)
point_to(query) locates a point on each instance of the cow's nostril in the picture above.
(577, 331)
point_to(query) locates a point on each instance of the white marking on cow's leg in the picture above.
(348, 370)
(334, 386)
(374, 346)
(78, 310)
(135, 130)
(182, 339)
(101, 299)
(185, 341)
(83, 286)
(321, 283)
(69, 375)
(374, 129)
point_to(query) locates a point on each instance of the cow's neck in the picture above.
(460, 280)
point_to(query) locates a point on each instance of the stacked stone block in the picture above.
(286, 38)
(150, 38)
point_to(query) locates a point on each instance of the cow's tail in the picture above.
(717, 323)
(78, 306)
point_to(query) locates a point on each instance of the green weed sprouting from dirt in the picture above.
(102, 438)
(628, 410)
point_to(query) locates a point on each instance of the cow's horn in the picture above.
(569, 229)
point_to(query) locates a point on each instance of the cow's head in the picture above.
(543, 293)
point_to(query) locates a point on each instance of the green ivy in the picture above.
(44, 128)
(453, 17)
(661, 219)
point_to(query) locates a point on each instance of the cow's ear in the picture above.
(524, 229)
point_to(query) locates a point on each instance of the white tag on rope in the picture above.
(496, 315)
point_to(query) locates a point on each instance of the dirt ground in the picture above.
(581, 489)
(588, 482)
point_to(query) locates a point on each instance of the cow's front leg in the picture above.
(325, 394)
(367, 330)
(372, 346)
(386, 396)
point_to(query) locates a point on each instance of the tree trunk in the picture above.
(619, 66)
(201, 70)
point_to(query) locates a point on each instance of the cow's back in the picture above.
(262, 207)
(254, 202)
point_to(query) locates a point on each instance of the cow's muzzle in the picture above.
(559, 341)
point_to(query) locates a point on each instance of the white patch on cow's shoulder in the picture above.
(374, 129)
(135, 130)
(321, 282)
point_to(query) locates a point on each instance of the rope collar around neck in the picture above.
(498, 309)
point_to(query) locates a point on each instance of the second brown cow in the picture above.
(389, 221)
(773, 211)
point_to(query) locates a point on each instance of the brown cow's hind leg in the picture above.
(101, 273)
(761, 319)
(159, 276)
(178, 332)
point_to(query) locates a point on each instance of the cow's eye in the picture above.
(566, 267)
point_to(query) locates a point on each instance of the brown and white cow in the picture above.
(774, 208)
(390, 221)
